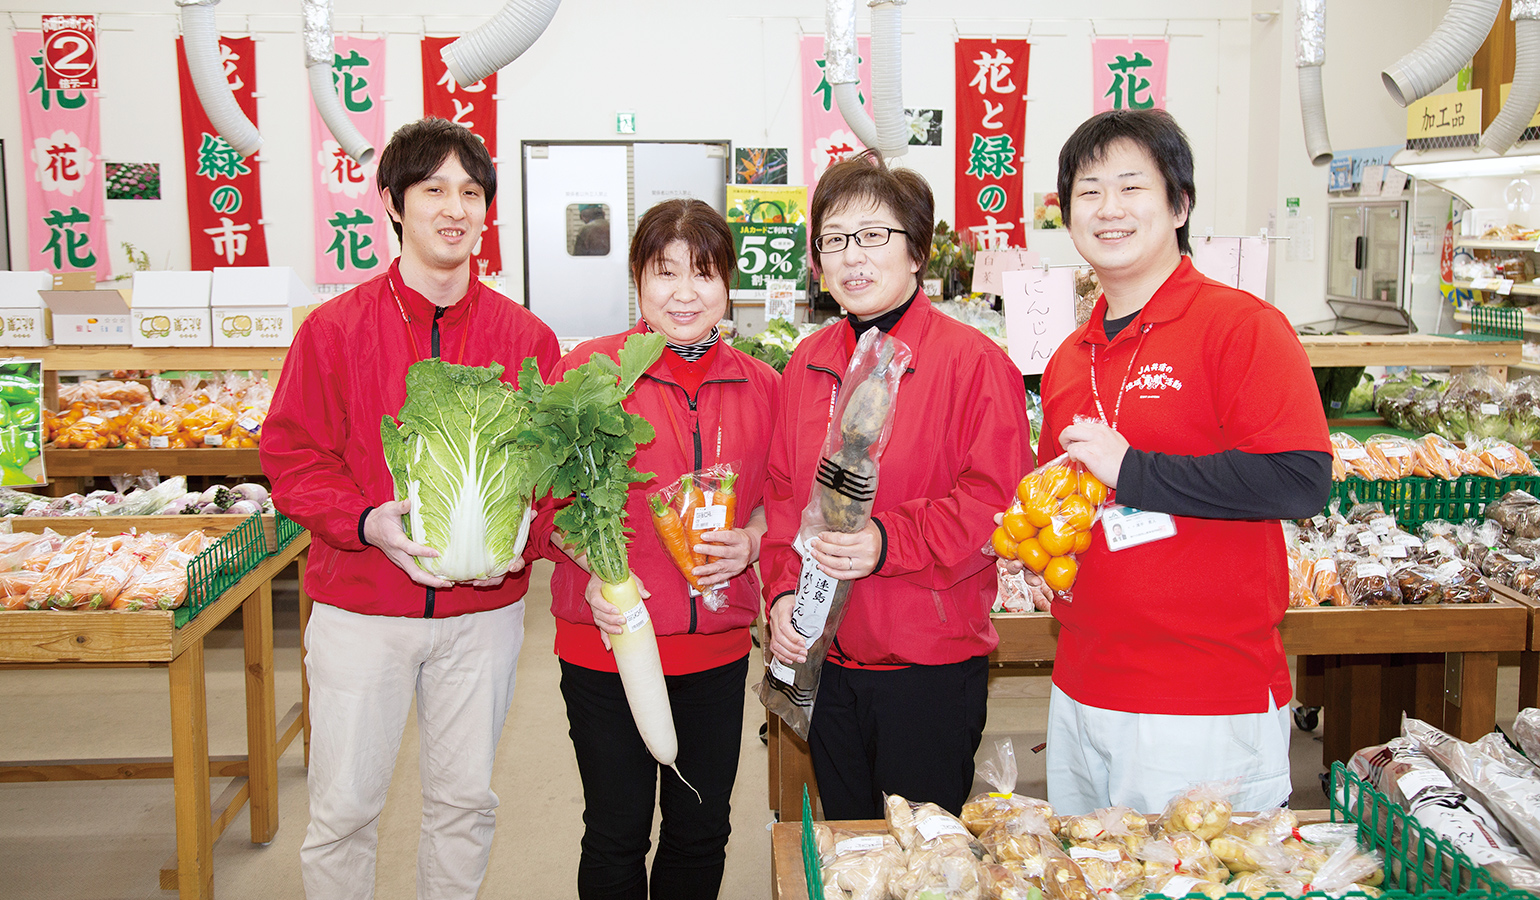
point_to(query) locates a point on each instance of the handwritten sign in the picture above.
(1373, 180)
(1039, 315)
(1444, 120)
(989, 265)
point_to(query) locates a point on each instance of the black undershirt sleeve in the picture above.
(1234, 484)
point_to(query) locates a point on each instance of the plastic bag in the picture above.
(1435, 457)
(927, 826)
(1393, 453)
(1107, 866)
(1003, 806)
(1366, 581)
(1184, 853)
(1526, 730)
(1119, 824)
(1348, 868)
(208, 426)
(163, 584)
(155, 428)
(66, 563)
(1517, 512)
(1480, 396)
(1172, 885)
(1001, 882)
(1256, 844)
(98, 587)
(861, 865)
(1499, 458)
(1354, 460)
(844, 489)
(1325, 583)
(1512, 798)
(1049, 522)
(1413, 781)
(939, 875)
(1203, 809)
(692, 505)
(1062, 877)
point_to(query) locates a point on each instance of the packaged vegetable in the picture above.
(155, 428)
(1366, 581)
(926, 826)
(1170, 884)
(1517, 512)
(1349, 867)
(1107, 866)
(1394, 454)
(1003, 806)
(163, 583)
(840, 500)
(1526, 730)
(1002, 882)
(1204, 810)
(1499, 458)
(64, 565)
(939, 874)
(1512, 798)
(1184, 853)
(1118, 824)
(1049, 522)
(684, 511)
(1355, 460)
(1062, 877)
(1481, 396)
(100, 585)
(208, 426)
(862, 866)
(1325, 583)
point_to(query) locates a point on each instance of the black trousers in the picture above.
(911, 732)
(621, 787)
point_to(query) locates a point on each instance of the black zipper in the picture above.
(438, 313)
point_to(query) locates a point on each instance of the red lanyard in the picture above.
(1117, 407)
(465, 332)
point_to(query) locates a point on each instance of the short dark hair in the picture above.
(1151, 129)
(866, 177)
(416, 151)
(695, 222)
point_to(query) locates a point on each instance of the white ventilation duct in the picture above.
(319, 53)
(1524, 98)
(498, 41)
(890, 132)
(1310, 47)
(840, 67)
(1443, 53)
(200, 40)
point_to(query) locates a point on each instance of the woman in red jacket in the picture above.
(916, 633)
(708, 404)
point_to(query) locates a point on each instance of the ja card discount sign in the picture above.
(69, 53)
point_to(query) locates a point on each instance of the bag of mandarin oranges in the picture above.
(1049, 522)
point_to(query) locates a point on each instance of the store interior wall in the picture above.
(1231, 86)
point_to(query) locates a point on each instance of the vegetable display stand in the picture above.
(65, 639)
(1409, 350)
(1529, 657)
(214, 461)
(1414, 501)
(1442, 668)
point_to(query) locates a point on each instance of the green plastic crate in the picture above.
(219, 567)
(1497, 321)
(812, 869)
(1417, 861)
(1414, 501)
(288, 530)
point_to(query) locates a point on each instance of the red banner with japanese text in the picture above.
(352, 229)
(61, 154)
(475, 107)
(1128, 74)
(991, 130)
(224, 189)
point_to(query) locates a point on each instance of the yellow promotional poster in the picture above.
(1444, 120)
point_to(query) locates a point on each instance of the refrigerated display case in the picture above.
(1366, 263)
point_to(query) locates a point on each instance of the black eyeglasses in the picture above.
(866, 237)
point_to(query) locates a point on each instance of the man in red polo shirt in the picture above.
(1170, 669)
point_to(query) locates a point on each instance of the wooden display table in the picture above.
(1449, 681)
(41, 639)
(1408, 350)
(1529, 657)
(789, 882)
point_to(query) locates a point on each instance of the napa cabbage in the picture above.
(453, 454)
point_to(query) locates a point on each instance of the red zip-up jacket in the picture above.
(321, 441)
(960, 443)
(728, 420)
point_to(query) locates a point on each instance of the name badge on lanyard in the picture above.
(1125, 527)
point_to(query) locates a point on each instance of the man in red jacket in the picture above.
(383, 631)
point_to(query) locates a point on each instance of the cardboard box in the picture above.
(24, 317)
(74, 281)
(171, 309)
(258, 306)
(89, 317)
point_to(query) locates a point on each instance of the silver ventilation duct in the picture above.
(1310, 47)
(1524, 97)
(320, 50)
(1443, 53)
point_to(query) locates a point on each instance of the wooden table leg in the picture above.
(261, 725)
(1470, 695)
(773, 745)
(1353, 700)
(1428, 690)
(795, 765)
(190, 775)
(1310, 680)
(300, 562)
(1529, 679)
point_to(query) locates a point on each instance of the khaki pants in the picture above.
(364, 672)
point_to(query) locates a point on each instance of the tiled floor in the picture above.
(107, 841)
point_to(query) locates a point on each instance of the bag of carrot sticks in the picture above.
(844, 489)
(684, 512)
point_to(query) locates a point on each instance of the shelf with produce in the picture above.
(60, 358)
(1479, 244)
(215, 461)
(1523, 289)
(1408, 350)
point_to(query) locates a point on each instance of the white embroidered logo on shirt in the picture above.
(1153, 378)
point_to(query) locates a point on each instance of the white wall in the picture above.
(709, 70)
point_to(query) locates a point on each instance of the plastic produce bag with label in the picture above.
(682, 512)
(860, 423)
(1510, 796)
(1526, 730)
(1049, 523)
(860, 866)
(1003, 806)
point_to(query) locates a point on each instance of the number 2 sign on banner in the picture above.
(69, 53)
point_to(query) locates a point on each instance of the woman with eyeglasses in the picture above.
(901, 704)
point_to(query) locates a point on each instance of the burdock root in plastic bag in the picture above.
(841, 500)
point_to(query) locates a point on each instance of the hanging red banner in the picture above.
(991, 130)
(224, 189)
(475, 107)
(61, 139)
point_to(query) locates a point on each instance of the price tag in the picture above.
(709, 518)
(93, 420)
(637, 618)
(1179, 886)
(1490, 409)
(1347, 454)
(1368, 539)
(859, 844)
(1324, 564)
(1393, 551)
(1416, 780)
(1111, 856)
(248, 423)
(159, 442)
(1449, 570)
(1396, 450)
(935, 826)
(1371, 570)
(213, 440)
